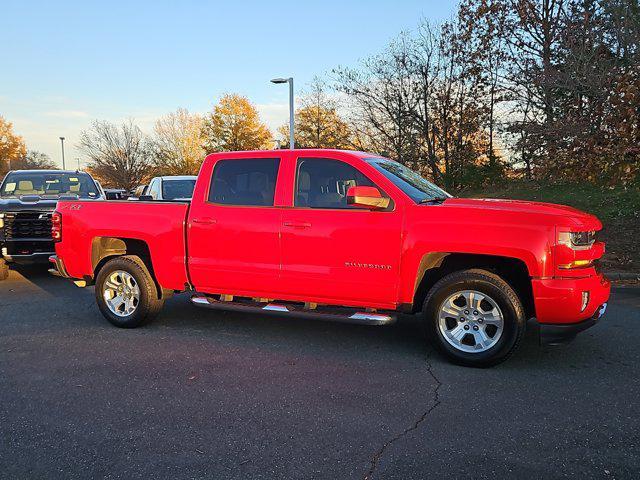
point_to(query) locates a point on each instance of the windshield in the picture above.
(172, 189)
(50, 184)
(412, 183)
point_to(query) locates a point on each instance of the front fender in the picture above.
(428, 240)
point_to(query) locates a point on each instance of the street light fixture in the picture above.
(62, 142)
(291, 113)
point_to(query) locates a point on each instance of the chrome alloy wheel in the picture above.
(470, 321)
(121, 293)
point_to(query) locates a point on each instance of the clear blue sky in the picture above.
(63, 64)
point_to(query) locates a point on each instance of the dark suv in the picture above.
(27, 200)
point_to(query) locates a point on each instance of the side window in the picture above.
(154, 188)
(323, 183)
(244, 182)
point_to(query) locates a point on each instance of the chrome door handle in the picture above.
(205, 220)
(297, 224)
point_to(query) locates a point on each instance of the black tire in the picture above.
(4, 269)
(148, 305)
(500, 292)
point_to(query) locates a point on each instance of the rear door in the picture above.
(233, 236)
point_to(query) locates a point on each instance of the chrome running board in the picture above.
(325, 313)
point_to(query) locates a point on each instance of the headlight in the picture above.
(577, 240)
(1, 220)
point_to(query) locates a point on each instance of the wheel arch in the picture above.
(104, 249)
(435, 265)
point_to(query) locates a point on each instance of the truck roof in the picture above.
(179, 177)
(312, 151)
(36, 170)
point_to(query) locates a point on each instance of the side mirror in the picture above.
(368, 197)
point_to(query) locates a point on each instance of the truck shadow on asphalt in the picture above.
(602, 345)
(405, 338)
(39, 276)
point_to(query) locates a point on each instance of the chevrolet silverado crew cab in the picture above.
(347, 236)
(27, 200)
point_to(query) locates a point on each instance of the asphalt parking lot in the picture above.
(203, 394)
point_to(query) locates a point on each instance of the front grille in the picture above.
(19, 225)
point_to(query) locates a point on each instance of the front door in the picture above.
(334, 252)
(233, 239)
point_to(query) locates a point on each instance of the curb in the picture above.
(622, 276)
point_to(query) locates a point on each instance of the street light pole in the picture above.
(62, 143)
(291, 109)
(291, 115)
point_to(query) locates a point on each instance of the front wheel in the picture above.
(474, 318)
(126, 293)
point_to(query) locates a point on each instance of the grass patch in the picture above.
(605, 203)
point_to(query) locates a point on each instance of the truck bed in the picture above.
(161, 225)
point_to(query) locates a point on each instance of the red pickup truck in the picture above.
(346, 236)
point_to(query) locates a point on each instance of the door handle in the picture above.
(204, 220)
(297, 224)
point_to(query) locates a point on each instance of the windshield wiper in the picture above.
(429, 200)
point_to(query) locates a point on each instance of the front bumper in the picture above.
(561, 333)
(26, 251)
(560, 300)
(27, 259)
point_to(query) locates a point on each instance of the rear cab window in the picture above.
(244, 182)
(173, 189)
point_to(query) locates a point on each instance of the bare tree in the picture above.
(487, 21)
(425, 69)
(552, 84)
(458, 104)
(382, 97)
(533, 33)
(119, 157)
(34, 160)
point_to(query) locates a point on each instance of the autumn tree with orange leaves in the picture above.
(12, 147)
(234, 124)
(177, 143)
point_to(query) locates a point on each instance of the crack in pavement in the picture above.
(375, 460)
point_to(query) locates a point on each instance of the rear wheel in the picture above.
(126, 293)
(4, 269)
(474, 318)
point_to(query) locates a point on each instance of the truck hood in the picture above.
(540, 212)
(32, 203)
(36, 202)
